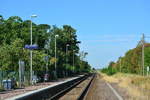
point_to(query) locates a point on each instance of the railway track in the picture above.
(77, 91)
(82, 84)
(87, 88)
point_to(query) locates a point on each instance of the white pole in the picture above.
(55, 56)
(66, 53)
(147, 73)
(66, 56)
(19, 75)
(66, 60)
(73, 60)
(143, 53)
(73, 57)
(147, 70)
(120, 64)
(31, 53)
(31, 50)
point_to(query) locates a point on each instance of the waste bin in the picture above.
(9, 84)
(5, 84)
(34, 79)
(13, 81)
(46, 77)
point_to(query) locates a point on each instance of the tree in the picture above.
(15, 34)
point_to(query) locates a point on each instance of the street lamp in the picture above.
(73, 59)
(120, 64)
(143, 43)
(67, 45)
(55, 56)
(32, 16)
(1, 18)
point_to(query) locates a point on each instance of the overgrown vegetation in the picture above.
(15, 34)
(137, 86)
(109, 70)
(132, 61)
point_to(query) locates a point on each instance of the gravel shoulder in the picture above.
(100, 91)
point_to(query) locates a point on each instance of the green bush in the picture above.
(1, 89)
(109, 71)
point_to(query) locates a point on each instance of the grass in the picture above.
(1, 89)
(109, 71)
(136, 85)
(143, 82)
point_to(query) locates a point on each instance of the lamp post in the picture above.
(120, 64)
(55, 56)
(0, 19)
(32, 16)
(143, 42)
(73, 59)
(67, 45)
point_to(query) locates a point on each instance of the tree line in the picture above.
(131, 62)
(15, 34)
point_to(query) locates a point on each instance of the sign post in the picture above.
(21, 73)
(147, 70)
(31, 47)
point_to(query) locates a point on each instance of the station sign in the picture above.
(31, 47)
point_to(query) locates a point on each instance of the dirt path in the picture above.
(101, 91)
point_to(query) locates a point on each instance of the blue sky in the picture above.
(106, 28)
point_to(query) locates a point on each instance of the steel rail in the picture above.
(87, 88)
(63, 92)
(52, 93)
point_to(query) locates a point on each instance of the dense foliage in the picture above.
(132, 61)
(109, 70)
(15, 34)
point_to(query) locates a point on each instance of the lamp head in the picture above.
(56, 35)
(33, 16)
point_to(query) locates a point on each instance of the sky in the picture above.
(106, 28)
